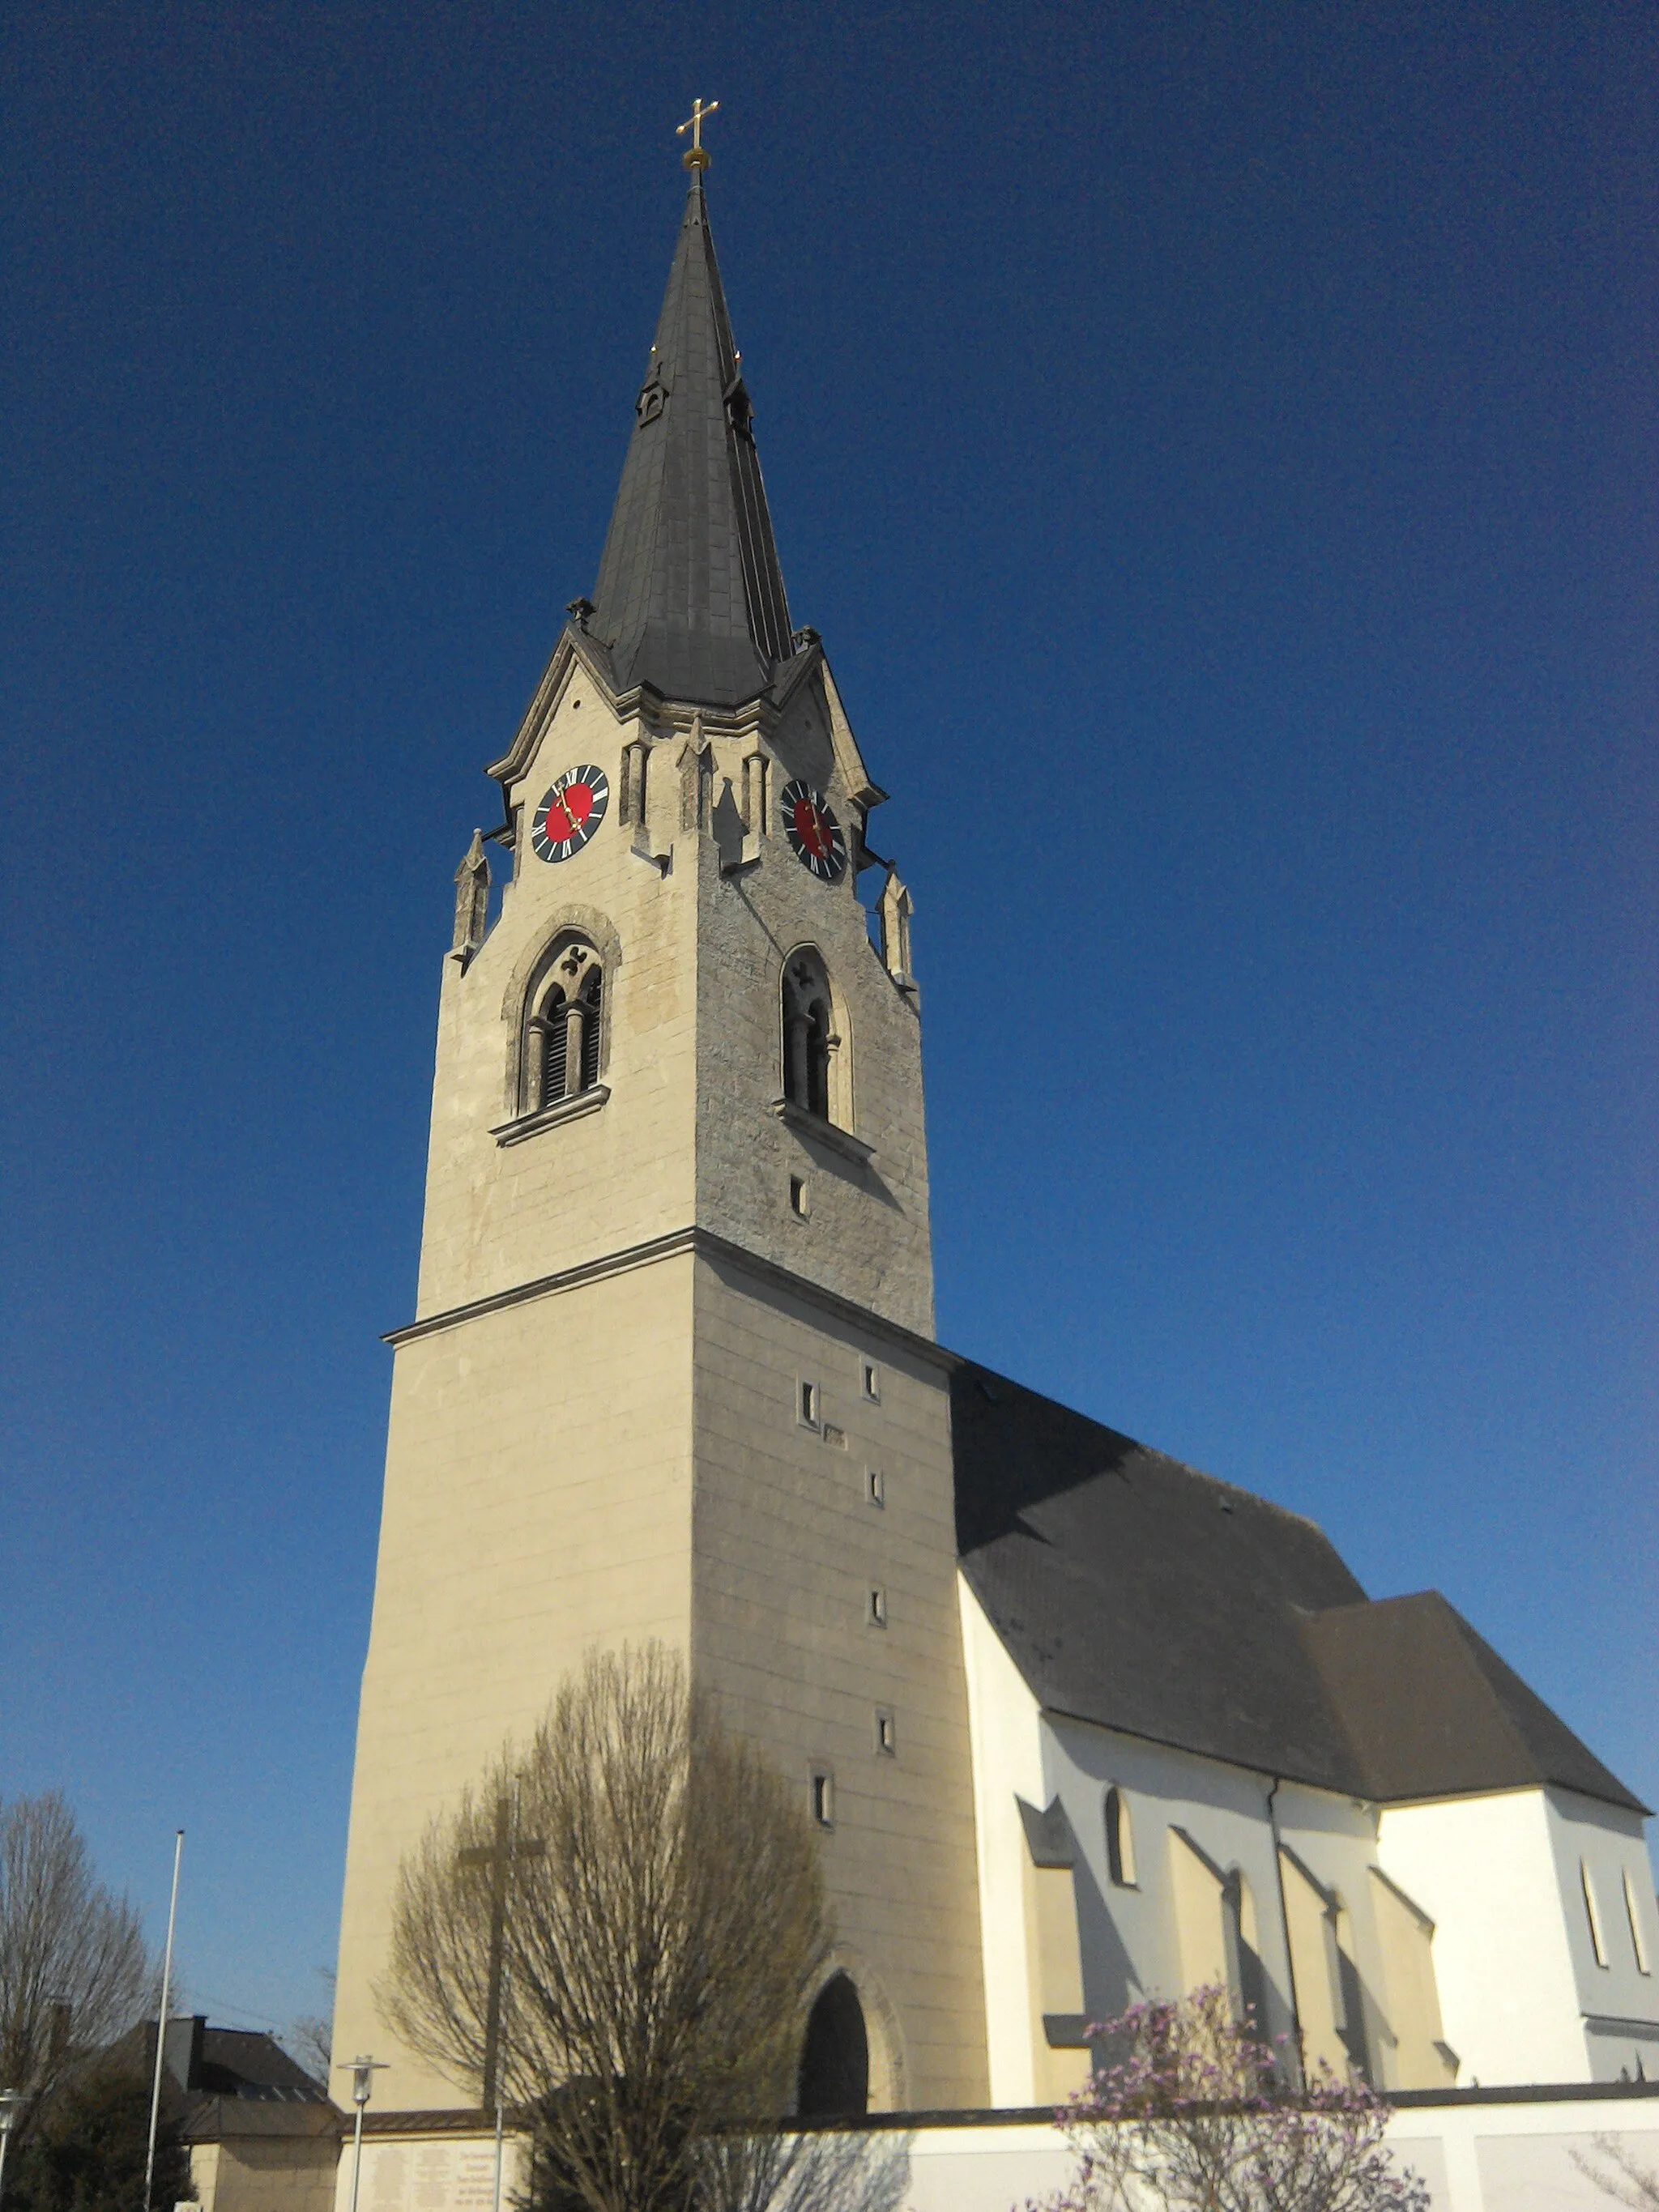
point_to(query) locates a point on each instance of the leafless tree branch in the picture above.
(75, 1971)
(1616, 2172)
(662, 1943)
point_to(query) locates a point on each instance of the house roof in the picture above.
(242, 2083)
(689, 596)
(237, 2061)
(1135, 1592)
(220, 2082)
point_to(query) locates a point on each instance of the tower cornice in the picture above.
(704, 1243)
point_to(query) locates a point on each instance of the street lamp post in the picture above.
(9, 2100)
(362, 2070)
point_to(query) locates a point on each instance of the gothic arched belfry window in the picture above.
(809, 1037)
(562, 1041)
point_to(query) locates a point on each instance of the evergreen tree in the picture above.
(86, 2150)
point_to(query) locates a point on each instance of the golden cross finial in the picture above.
(695, 156)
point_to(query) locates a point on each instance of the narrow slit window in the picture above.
(872, 1381)
(824, 1797)
(1639, 1942)
(798, 1197)
(809, 1405)
(1593, 1913)
(875, 1486)
(809, 1038)
(1119, 1839)
(877, 1614)
(886, 1733)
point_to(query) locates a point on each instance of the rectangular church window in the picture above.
(872, 1381)
(824, 1797)
(809, 1405)
(886, 1733)
(1120, 1840)
(798, 1197)
(1593, 1913)
(1634, 1913)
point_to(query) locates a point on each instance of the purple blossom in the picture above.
(1199, 2115)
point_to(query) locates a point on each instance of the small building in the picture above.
(263, 2136)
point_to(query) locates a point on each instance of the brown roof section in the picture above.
(1432, 1711)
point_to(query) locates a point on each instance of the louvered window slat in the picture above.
(591, 991)
(553, 1044)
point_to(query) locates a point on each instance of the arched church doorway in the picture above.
(835, 2059)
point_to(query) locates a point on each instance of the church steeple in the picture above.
(689, 596)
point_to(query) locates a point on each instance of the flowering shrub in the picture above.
(1198, 2116)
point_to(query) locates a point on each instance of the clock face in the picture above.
(814, 836)
(572, 810)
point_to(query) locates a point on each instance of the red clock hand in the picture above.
(573, 822)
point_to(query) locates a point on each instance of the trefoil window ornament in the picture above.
(561, 1040)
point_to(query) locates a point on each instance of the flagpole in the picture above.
(161, 2022)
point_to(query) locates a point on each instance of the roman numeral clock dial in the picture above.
(815, 836)
(572, 810)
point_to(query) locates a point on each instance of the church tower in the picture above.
(671, 1369)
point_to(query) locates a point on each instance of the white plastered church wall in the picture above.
(1605, 1846)
(1005, 1724)
(1192, 1822)
(1520, 1974)
(1187, 1815)
(1486, 1868)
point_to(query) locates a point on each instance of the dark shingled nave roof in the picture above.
(1141, 1595)
(689, 596)
(1432, 1711)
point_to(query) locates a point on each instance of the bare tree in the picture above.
(622, 1925)
(309, 2037)
(75, 1973)
(1618, 2173)
(829, 2170)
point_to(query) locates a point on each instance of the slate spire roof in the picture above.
(689, 596)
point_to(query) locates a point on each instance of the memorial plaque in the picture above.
(435, 2174)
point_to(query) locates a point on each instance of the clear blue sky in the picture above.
(1218, 445)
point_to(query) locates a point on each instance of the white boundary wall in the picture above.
(1475, 2157)
(1479, 2152)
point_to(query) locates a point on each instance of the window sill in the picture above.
(817, 1131)
(548, 1117)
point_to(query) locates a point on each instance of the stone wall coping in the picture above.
(476, 2122)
